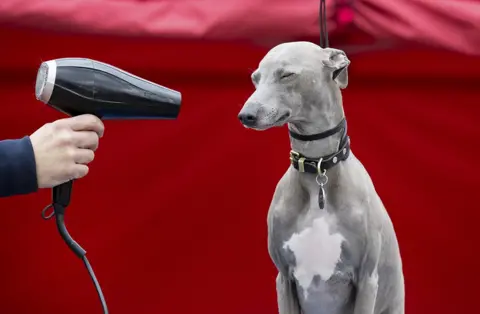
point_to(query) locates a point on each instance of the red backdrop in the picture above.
(173, 213)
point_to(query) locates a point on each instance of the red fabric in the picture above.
(173, 213)
(450, 24)
(207, 19)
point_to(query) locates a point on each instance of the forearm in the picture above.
(367, 287)
(18, 173)
(287, 297)
(367, 295)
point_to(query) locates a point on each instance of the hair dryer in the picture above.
(77, 86)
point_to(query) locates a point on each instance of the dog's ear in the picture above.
(337, 63)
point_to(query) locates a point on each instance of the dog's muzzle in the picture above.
(247, 119)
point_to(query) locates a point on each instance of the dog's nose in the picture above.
(247, 119)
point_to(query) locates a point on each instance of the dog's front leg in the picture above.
(367, 285)
(287, 297)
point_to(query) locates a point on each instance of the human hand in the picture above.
(64, 148)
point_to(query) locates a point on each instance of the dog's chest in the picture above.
(312, 249)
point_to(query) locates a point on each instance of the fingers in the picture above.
(79, 171)
(82, 131)
(85, 139)
(64, 148)
(85, 122)
(79, 168)
(83, 156)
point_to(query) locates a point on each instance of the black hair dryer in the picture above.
(78, 86)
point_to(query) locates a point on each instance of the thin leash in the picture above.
(322, 21)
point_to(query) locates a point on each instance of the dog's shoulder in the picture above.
(286, 192)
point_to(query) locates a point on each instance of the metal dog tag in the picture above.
(321, 198)
(321, 179)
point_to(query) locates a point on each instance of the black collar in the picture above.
(321, 164)
(341, 127)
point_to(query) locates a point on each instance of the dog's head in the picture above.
(291, 81)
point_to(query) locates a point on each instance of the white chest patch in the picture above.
(316, 251)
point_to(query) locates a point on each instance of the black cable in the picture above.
(95, 282)
(60, 220)
(78, 250)
(61, 198)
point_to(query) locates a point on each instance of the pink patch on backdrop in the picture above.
(344, 16)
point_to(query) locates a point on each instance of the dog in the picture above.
(329, 234)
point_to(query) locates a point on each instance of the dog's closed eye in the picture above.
(287, 75)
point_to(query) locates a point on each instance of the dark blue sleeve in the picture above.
(18, 172)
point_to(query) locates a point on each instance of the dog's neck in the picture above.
(326, 120)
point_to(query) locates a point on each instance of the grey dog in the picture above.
(332, 242)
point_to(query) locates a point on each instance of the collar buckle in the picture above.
(296, 157)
